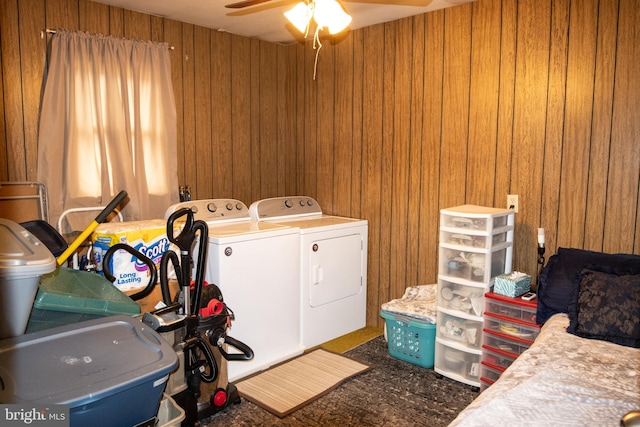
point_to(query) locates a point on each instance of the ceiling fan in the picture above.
(249, 3)
(323, 14)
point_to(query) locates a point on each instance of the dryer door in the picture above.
(335, 268)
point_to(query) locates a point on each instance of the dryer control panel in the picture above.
(284, 207)
(210, 210)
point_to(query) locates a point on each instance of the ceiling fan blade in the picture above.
(262, 6)
(420, 3)
(245, 3)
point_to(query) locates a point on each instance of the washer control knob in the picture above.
(194, 209)
(239, 206)
(310, 202)
(229, 206)
(302, 203)
(288, 203)
(211, 207)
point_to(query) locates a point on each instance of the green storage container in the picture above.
(409, 339)
(69, 296)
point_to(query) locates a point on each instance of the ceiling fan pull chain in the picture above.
(316, 40)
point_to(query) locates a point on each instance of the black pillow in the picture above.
(606, 307)
(557, 281)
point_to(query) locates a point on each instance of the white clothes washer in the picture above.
(333, 266)
(255, 266)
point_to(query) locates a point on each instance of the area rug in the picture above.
(290, 386)
(392, 393)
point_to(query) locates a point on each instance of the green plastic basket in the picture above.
(410, 339)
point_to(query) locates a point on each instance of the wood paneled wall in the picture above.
(464, 105)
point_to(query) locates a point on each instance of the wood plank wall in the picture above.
(464, 105)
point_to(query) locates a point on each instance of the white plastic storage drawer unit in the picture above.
(475, 245)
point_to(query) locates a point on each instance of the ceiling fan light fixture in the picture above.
(331, 15)
(300, 15)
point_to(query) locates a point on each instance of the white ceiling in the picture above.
(266, 21)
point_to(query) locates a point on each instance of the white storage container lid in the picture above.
(21, 253)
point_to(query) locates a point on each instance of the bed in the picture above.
(584, 367)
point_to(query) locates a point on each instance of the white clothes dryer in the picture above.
(333, 266)
(255, 266)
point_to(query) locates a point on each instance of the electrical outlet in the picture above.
(512, 202)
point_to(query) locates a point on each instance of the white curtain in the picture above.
(108, 123)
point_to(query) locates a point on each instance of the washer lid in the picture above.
(321, 222)
(249, 230)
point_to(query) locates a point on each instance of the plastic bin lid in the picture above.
(21, 253)
(83, 292)
(83, 363)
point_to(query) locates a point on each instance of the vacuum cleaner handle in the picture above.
(203, 245)
(184, 239)
(246, 351)
(153, 275)
(164, 275)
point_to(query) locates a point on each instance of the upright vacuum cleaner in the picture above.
(196, 318)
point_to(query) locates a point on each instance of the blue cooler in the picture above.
(110, 371)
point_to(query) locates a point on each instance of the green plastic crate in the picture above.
(69, 296)
(410, 339)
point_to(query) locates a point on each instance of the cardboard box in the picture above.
(148, 303)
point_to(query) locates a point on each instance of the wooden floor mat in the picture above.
(291, 385)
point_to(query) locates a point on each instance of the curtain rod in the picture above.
(49, 31)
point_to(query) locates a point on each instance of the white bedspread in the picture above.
(562, 380)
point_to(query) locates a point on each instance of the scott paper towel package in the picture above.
(147, 237)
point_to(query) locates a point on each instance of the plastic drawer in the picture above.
(497, 358)
(510, 309)
(470, 240)
(511, 345)
(510, 327)
(490, 373)
(457, 363)
(462, 298)
(485, 383)
(477, 267)
(468, 217)
(457, 329)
